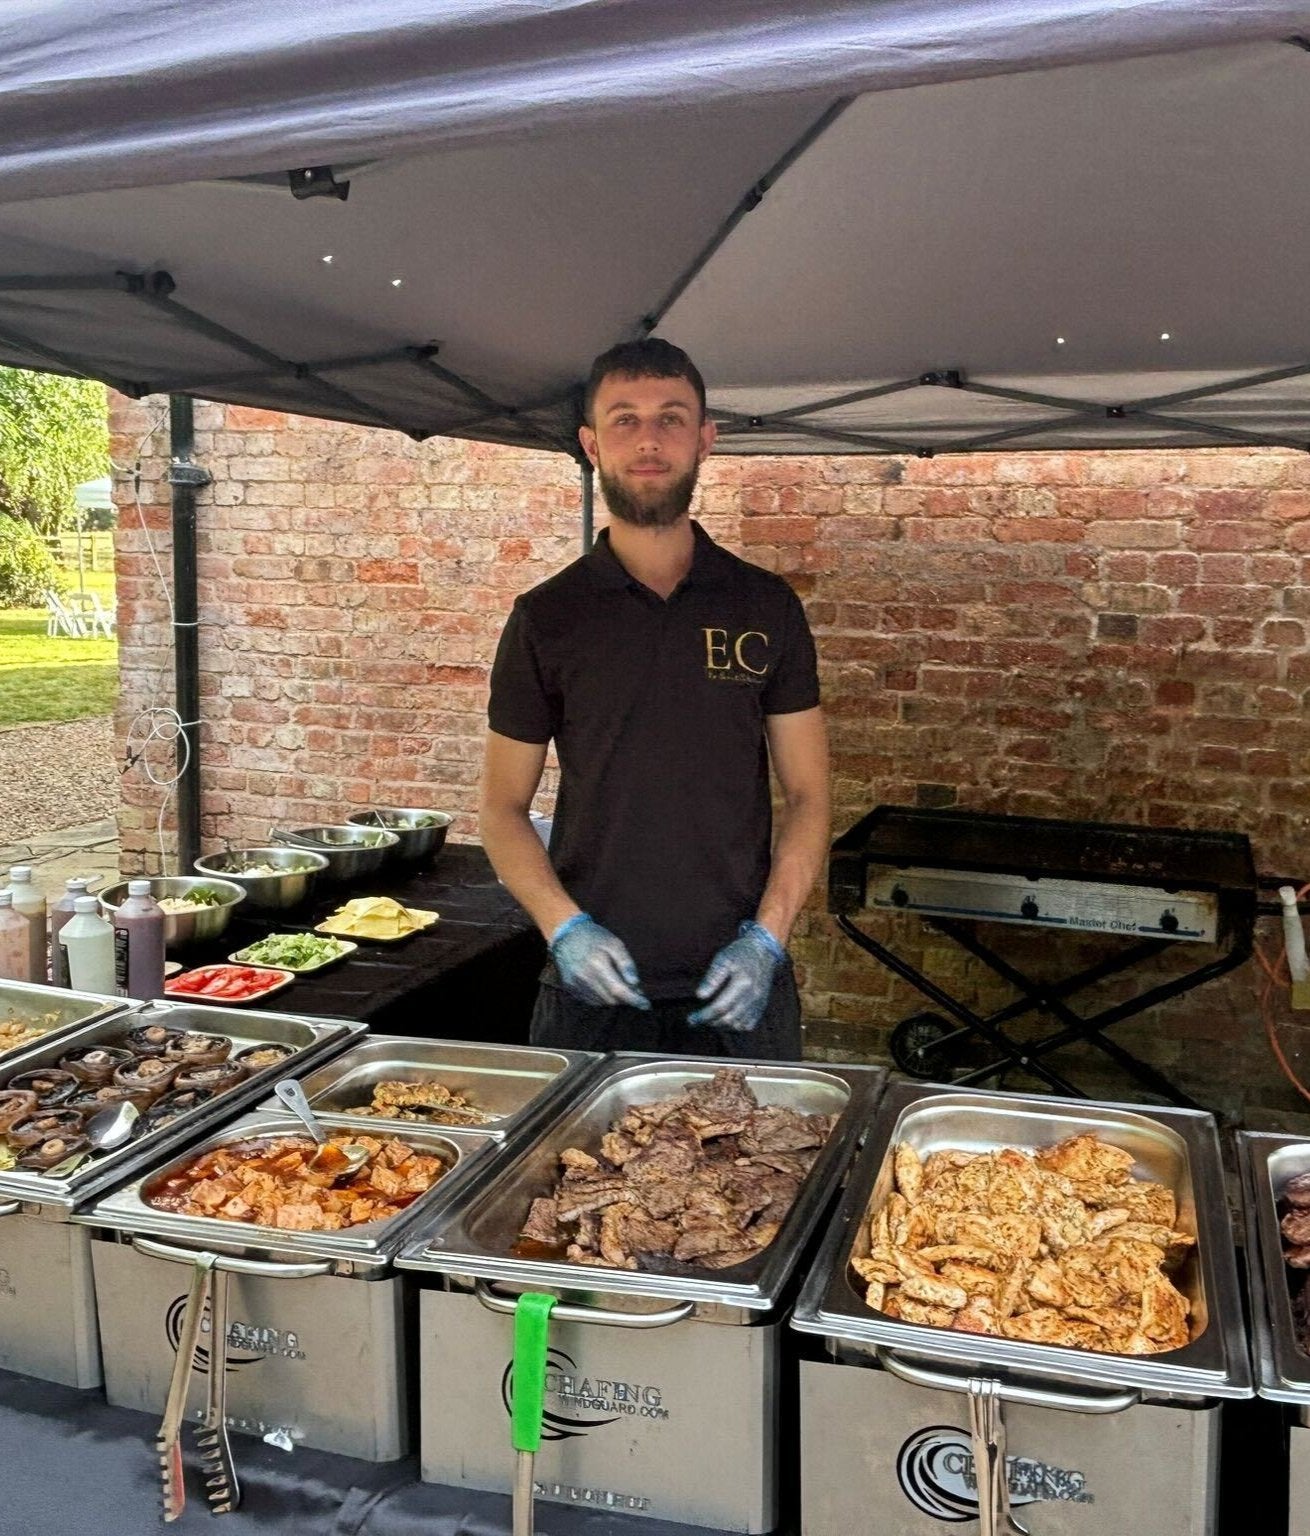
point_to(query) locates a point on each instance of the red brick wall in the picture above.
(1115, 636)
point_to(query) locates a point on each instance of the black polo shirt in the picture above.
(657, 708)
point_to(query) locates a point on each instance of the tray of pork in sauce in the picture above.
(182, 1068)
(262, 1186)
(686, 1180)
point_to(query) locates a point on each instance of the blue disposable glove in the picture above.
(594, 964)
(739, 979)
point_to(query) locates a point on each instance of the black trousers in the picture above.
(562, 1021)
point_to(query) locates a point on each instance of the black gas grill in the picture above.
(1149, 887)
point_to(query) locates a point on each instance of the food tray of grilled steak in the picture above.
(31, 1014)
(262, 1187)
(184, 1067)
(687, 1180)
(394, 1080)
(1276, 1192)
(1053, 1238)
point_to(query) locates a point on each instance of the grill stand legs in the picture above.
(1049, 997)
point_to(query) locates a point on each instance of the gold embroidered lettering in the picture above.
(750, 634)
(716, 645)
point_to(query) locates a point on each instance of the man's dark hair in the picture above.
(652, 358)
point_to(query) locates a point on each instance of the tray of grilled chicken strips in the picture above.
(1055, 1239)
(688, 1180)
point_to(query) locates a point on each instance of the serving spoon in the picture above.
(345, 1161)
(106, 1129)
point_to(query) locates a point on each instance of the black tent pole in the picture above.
(185, 477)
(588, 502)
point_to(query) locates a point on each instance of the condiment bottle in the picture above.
(29, 903)
(14, 957)
(139, 944)
(89, 942)
(60, 912)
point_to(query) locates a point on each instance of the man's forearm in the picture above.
(798, 857)
(517, 856)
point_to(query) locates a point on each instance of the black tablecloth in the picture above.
(471, 976)
(73, 1465)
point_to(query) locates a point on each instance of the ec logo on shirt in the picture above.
(740, 658)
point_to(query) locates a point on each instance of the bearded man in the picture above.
(670, 675)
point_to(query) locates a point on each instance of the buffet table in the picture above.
(472, 976)
(72, 1463)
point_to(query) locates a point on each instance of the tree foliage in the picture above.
(54, 433)
(27, 568)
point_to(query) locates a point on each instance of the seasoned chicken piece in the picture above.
(974, 1279)
(922, 1284)
(891, 1304)
(897, 1212)
(909, 1171)
(1064, 1225)
(1087, 1157)
(918, 1229)
(1110, 1320)
(1016, 1236)
(880, 1228)
(876, 1295)
(1147, 1202)
(964, 1253)
(924, 1313)
(1046, 1325)
(978, 1317)
(1046, 1285)
(1009, 1293)
(1171, 1242)
(1164, 1313)
(973, 1184)
(1102, 1221)
(875, 1270)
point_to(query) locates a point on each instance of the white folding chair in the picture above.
(61, 619)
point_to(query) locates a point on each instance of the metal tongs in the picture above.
(207, 1285)
(987, 1426)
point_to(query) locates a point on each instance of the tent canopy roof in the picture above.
(914, 225)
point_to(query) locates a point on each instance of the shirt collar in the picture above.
(707, 562)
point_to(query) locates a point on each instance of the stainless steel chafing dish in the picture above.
(48, 1323)
(312, 1038)
(473, 1241)
(248, 1249)
(1176, 1147)
(1267, 1162)
(636, 1383)
(315, 1335)
(1093, 1439)
(1282, 1368)
(515, 1085)
(26, 1000)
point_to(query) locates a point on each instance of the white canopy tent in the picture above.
(900, 225)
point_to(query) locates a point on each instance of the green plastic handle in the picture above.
(531, 1337)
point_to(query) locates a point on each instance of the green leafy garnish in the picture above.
(205, 896)
(293, 951)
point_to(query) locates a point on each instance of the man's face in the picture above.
(647, 446)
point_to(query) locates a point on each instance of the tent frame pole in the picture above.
(185, 477)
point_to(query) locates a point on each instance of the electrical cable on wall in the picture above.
(155, 723)
(1281, 973)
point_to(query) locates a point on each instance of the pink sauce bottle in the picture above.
(139, 944)
(60, 912)
(14, 957)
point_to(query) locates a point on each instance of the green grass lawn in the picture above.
(43, 679)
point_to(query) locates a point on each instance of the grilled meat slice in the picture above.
(578, 1197)
(542, 1225)
(778, 1129)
